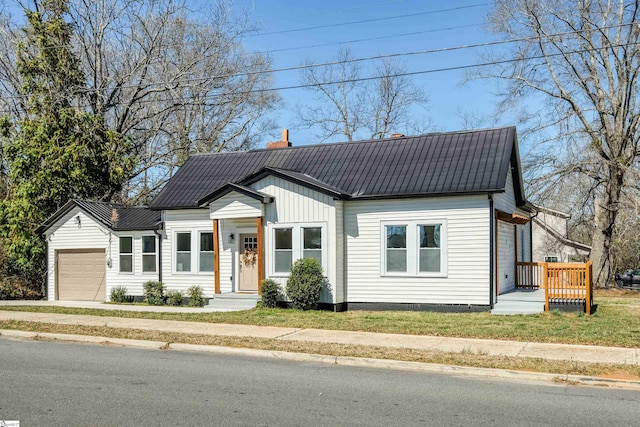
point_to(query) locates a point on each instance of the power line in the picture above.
(370, 78)
(366, 40)
(322, 12)
(369, 20)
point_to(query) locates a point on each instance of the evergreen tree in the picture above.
(58, 150)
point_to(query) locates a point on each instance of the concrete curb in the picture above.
(361, 362)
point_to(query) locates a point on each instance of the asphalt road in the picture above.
(62, 384)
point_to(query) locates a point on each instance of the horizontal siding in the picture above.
(132, 281)
(235, 205)
(506, 257)
(194, 221)
(67, 235)
(468, 228)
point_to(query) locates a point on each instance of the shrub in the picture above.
(11, 288)
(196, 299)
(271, 293)
(305, 283)
(119, 294)
(174, 297)
(153, 292)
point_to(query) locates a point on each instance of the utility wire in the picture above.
(323, 12)
(361, 79)
(363, 21)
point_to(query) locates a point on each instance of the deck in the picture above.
(548, 284)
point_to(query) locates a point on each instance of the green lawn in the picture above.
(616, 322)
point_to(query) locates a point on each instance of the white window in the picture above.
(414, 248)
(148, 254)
(206, 252)
(183, 251)
(294, 241)
(551, 259)
(283, 255)
(126, 254)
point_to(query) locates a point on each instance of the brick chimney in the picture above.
(397, 135)
(281, 144)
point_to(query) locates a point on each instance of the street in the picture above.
(63, 384)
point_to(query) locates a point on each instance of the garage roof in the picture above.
(114, 216)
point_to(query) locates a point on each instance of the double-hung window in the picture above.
(294, 241)
(183, 252)
(414, 248)
(206, 252)
(126, 254)
(148, 254)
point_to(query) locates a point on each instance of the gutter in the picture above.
(492, 251)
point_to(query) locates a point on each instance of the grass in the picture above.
(616, 322)
(460, 359)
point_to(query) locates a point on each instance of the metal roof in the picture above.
(128, 217)
(436, 164)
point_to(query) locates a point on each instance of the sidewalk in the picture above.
(579, 353)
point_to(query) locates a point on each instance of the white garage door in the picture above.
(81, 275)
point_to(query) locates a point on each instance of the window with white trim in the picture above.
(294, 241)
(551, 259)
(125, 246)
(148, 254)
(206, 252)
(183, 251)
(414, 248)
(283, 250)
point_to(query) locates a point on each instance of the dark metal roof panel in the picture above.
(438, 163)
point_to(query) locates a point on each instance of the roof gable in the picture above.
(127, 218)
(436, 164)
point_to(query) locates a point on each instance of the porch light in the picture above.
(231, 238)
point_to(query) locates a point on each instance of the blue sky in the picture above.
(437, 25)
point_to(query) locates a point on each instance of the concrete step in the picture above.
(519, 307)
(234, 301)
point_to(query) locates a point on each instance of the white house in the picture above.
(549, 238)
(423, 222)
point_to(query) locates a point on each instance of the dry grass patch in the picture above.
(616, 322)
(458, 359)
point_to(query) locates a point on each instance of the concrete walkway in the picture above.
(579, 353)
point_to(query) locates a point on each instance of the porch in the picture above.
(548, 285)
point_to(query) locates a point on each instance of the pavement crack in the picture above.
(287, 334)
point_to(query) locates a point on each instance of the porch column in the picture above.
(260, 253)
(216, 256)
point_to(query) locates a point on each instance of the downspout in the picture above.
(159, 234)
(492, 261)
(531, 236)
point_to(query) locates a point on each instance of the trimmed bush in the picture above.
(196, 299)
(305, 283)
(119, 294)
(153, 292)
(271, 293)
(174, 298)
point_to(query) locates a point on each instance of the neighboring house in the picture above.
(549, 238)
(410, 222)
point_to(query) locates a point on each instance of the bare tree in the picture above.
(351, 106)
(173, 80)
(580, 62)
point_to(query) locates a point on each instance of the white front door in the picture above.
(248, 263)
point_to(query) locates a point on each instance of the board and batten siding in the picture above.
(193, 221)
(468, 251)
(294, 203)
(235, 205)
(66, 234)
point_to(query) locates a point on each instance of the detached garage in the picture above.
(85, 249)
